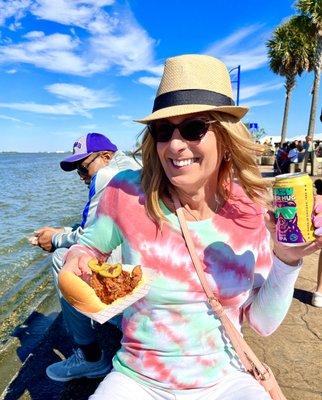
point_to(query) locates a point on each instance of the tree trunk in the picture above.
(316, 86)
(285, 116)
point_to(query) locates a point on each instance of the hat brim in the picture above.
(174, 111)
(70, 163)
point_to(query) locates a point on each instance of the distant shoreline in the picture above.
(128, 152)
(35, 152)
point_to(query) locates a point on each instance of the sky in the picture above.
(69, 67)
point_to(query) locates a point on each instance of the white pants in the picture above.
(236, 386)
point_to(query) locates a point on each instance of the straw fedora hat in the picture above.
(194, 83)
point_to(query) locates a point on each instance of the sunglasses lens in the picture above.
(193, 129)
(82, 170)
(161, 131)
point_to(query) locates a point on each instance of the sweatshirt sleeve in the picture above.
(67, 238)
(103, 235)
(272, 291)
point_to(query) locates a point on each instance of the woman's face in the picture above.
(191, 165)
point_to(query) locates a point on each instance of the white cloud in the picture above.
(56, 109)
(13, 8)
(81, 13)
(34, 35)
(257, 103)
(15, 26)
(56, 52)
(233, 39)
(9, 118)
(82, 96)
(89, 127)
(253, 55)
(6, 117)
(11, 71)
(79, 101)
(12, 119)
(254, 90)
(128, 46)
(156, 70)
(124, 117)
(150, 81)
(116, 40)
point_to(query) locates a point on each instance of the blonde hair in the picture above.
(239, 161)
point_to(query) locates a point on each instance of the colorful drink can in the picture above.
(293, 205)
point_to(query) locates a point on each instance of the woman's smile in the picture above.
(184, 162)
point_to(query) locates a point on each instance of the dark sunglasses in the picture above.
(83, 169)
(190, 129)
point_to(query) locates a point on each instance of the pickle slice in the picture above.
(110, 270)
(94, 265)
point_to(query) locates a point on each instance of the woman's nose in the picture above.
(177, 142)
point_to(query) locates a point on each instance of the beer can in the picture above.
(293, 208)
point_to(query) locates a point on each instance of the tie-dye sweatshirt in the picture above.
(171, 339)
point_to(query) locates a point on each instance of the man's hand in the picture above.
(44, 236)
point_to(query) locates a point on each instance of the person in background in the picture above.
(96, 160)
(195, 147)
(299, 146)
(282, 162)
(293, 153)
(318, 149)
(309, 154)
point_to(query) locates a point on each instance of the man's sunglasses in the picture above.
(190, 129)
(83, 169)
(286, 212)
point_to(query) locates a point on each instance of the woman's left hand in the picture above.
(293, 255)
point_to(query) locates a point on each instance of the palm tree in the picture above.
(289, 53)
(312, 9)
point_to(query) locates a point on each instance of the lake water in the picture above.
(35, 193)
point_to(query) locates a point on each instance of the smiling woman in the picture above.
(199, 161)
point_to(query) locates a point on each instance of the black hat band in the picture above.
(191, 96)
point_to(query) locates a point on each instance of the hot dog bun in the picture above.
(78, 293)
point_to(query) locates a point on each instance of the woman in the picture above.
(195, 146)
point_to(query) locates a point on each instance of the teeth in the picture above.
(183, 163)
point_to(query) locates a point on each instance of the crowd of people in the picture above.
(196, 149)
(294, 153)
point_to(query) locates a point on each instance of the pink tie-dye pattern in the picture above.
(231, 273)
(148, 236)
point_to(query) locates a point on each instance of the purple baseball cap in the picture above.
(85, 146)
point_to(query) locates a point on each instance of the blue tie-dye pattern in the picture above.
(90, 195)
(226, 267)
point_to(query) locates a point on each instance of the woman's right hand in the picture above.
(76, 261)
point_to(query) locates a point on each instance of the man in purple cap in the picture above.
(97, 160)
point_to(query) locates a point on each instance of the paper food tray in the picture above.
(119, 305)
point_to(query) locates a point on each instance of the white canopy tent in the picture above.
(267, 138)
(277, 138)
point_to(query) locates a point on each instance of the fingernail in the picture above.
(318, 232)
(318, 208)
(317, 221)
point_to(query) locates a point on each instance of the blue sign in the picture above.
(253, 126)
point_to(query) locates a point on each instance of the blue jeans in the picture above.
(78, 325)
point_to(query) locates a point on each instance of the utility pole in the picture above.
(237, 81)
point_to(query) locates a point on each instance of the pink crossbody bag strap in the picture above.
(245, 353)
